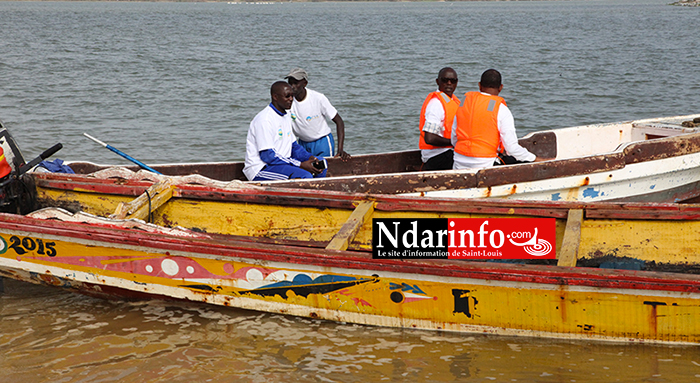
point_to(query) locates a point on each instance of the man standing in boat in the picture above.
(483, 124)
(272, 154)
(310, 110)
(436, 117)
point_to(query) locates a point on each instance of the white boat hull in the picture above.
(670, 179)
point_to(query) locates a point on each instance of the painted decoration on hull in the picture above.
(214, 276)
(303, 285)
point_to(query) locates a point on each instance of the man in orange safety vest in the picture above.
(484, 124)
(436, 117)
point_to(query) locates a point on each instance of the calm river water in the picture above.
(172, 82)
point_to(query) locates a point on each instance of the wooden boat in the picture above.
(306, 253)
(651, 160)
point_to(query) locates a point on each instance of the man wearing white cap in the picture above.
(310, 110)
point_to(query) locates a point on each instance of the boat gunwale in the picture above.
(342, 200)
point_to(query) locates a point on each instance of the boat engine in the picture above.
(17, 191)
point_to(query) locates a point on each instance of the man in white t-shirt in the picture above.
(271, 152)
(310, 110)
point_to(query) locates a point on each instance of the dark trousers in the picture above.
(442, 161)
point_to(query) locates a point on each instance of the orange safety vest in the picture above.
(450, 106)
(5, 167)
(477, 125)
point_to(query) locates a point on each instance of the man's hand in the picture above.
(343, 155)
(308, 165)
(435, 140)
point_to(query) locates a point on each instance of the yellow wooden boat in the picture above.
(312, 276)
(308, 254)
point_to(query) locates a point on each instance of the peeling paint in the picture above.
(590, 193)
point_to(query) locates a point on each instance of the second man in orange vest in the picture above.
(484, 124)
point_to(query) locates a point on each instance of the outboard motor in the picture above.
(17, 196)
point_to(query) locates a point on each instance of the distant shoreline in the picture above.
(281, 1)
(682, 3)
(275, 1)
(278, 1)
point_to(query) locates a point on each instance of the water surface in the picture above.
(171, 82)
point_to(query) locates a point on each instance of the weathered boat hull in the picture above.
(347, 286)
(673, 179)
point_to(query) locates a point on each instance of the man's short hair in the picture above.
(445, 70)
(491, 79)
(277, 87)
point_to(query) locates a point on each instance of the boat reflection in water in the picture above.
(49, 333)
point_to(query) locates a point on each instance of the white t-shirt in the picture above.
(309, 116)
(268, 130)
(506, 130)
(434, 123)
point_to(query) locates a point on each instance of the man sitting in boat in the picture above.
(483, 124)
(436, 118)
(271, 150)
(310, 110)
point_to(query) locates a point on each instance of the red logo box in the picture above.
(501, 238)
(464, 238)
